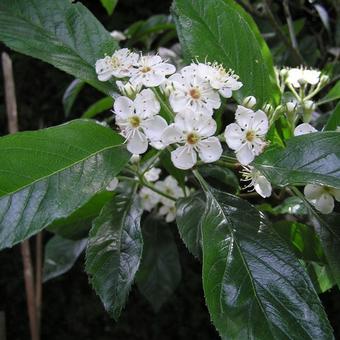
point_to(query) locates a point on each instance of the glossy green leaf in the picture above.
(114, 251)
(78, 224)
(160, 270)
(71, 94)
(220, 30)
(321, 277)
(48, 174)
(60, 256)
(333, 94)
(254, 286)
(311, 158)
(189, 221)
(334, 120)
(109, 5)
(99, 106)
(291, 205)
(62, 33)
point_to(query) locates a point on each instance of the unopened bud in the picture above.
(309, 105)
(118, 35)
(284, 72)
(167, 87)
(249, 102)
(291, 106)
(268, 109)
(128, 89)
(134, 159)
(324, 79)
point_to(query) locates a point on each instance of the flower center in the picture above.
(250, 135)
(145, 69)
(134, 121)
(115, 62)
(192, 138)
(195, 93)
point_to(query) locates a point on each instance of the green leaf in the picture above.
(254, 286)
(48, 174)
(189, 221)
(321, 277)
(291, 205)
(70, 95)
(62, 33)
(60, 256)
(114, 251)
(78, 224)
(302, 238)
(311, 158)
(333, 94)
(160, 271)
(109, 5)
(99, 106)
(220, 30)
(334, 120)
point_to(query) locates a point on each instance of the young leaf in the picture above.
(62, 33)
(333, 94)
(160, 271)
(321, 277)
(311, 158)
(189, 221)
(60, 256)
(70, 95)
(98, 107)
(114, 251)
(220, 30)
(109, 5)
(254, 286)
(334, 120)
(48, 174)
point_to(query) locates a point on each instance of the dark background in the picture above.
(70, 307)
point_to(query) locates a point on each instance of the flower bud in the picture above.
(249, 102)
(284, 73)
(134, 159)
(118, 35)
(167, 88)
(291, 106)
(324, 79)
(268, 109)
(308, 107)
(128, 89)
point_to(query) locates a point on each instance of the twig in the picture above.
(38, 276)
(12, 115)
(290, 25)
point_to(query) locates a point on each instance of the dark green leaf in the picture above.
(311, 158)
(334, 120)
(230, 37)
(333, 94)
(78, 224)
(189, 221)
(114, 251)
(291, 205)
(60, 256)
(70, 95)
(50, 173)
(160, 271)
(109, 5)
(255, 288)
(99, 106)
(62, 33)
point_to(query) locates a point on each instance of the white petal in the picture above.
(171, 216)
(311, 76)
(243, 116)
(260, 123)
(262, 186)
(123, 107)
(146, 103)
(171, 135)
(304, 129)
(165, 68)
(152, 175)
(234, 136)
(137, 143)
(210, 149)
(313, 191)
(225, 92)
(154, 127)
(103, 69)
(152, 79)
(335, 193)
(184, 157)
(258, 145)
(325, 203)
(245, 155)
(178, 101)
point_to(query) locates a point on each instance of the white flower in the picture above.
(112, 185)
(298, 76)
(192, 91)
(194, 130)
(120, 65)
(152, 175)
(138, 120)
(127, 89)
(257, 181)
(220, 79)
(151, 70)
(170, 187)
(304, 129)
(246, 136)
(118, 35)
(169, 211)
(149, 199)
(322, 197)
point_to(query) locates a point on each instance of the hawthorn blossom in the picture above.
(169, 211)
(152, 175)
(148, 198)
(258, 181)
(322, 197)
(219, 78)
(247, 135)
(151, 70)
(138, 120)
(119, 65)
(298, 76)
(304, 129)
(170, 187)
(193, 92)
(194, 131)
